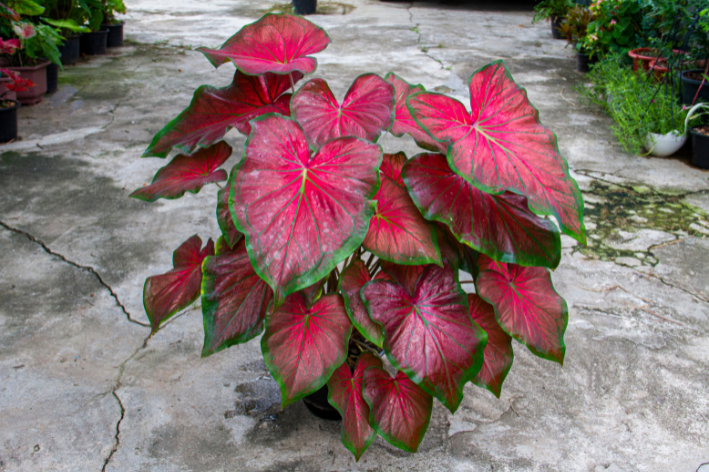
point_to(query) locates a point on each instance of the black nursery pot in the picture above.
(319, 406)
(52, 78)
(115, 35)
(700, 150)
(304, 7)
(690, 87)
(94, 43)
(583, 62)
(8, 122)
(71, 50)
(555, 24)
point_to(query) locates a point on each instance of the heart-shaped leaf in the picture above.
(397, 232)
(456, 253)
(345, 394)
(498, 350)
(213, 111)
(234, 298)
(366, 111)
(405, 275)
(502, 145)
(278, 43)
(429, 333)
(302, 216)
(404, 123)
(526, 306)
(500, 226)
(187, 174)
(400, 410)
(226, 223)
(304, 345)
(392, 164)
(166, 294)
(352, 279)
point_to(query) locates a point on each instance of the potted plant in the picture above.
(68, 17)
(8, 106)
(94, 41)
(555, 11)
(700, 138)
(694, 86)
(308, 258)
(111, 23)
(305, 7)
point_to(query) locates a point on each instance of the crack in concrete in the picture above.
(423, 49)
(88, 269)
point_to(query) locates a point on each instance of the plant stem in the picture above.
(368, 348)
(292, 84)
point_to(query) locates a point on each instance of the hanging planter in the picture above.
(8, 120)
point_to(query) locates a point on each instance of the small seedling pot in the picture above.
(700, 149)
(555, 25)
(663, 145)
(52, 78)
(115, 35)
(305, 7)
(38, 75)
(318, 405)
(8, 121)
(690, 87)
(71, 50)
(94, 43)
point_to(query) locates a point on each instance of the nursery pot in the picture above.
(555, 25)
(71, 50)
(8, 120)
(3, 89)
(319, 406)
(52, 78)
(583, 61)
(94, 43)
(642, 57)
(115, 35)
(304, 7)
(38, 75)
(700, 149)
(663, 145)
(690, 87)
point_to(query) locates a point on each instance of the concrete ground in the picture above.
(82, 390)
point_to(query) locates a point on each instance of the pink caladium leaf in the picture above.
(187, 174)
(456, 253)
(234, 298)
(304, 345)
(226, 223)
(405, 275)
(404, 123)
(392, 164)
(501, 145)
(213, 111)
(278, 43)
(166, 294)
(498, 351)
(366, 111)
(526, 306)
(500, 226)
(397, 232)
(352, 279)
(302, 215)
(345, 394)
(429, 333)
(400, 410)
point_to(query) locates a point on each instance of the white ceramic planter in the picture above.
(663, 145)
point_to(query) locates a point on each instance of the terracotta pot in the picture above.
(38, 75)
(8, 121)
(642, 57)
(3, 89)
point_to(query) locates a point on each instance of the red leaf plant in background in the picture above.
(348, 259)
(17, 83)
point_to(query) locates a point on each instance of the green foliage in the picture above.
(43, 44)
(25, 7)
(548, 8)
(638, 104)
(68, 25)
(574, 26)
(615, 28)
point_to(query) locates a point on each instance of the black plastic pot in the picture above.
(8, 122)
(700, 149)
(319, 406)
(690, 87)
(94, 43)
(304, 7)
(71, 50)
(52, 78)
(115, 35)
(582, 62)
(555, 25)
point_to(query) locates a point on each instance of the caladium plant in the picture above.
(347, 259)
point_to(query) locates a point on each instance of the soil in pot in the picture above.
(8, 120)
(691, 80)
(52, 78)
(94, 43)
(71, 50)
(700, 146)
(555, 25)
(304, 7)
(115, 35)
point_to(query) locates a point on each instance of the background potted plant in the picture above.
(307, 257)
(8, 106)
(555, 11)
(68, 17)
(700, 138)
(573, 29)
(111, 23)
(95, 40)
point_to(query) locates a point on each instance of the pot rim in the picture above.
(692, 81)
(41, 65)
(691, 130)
(103, 25)
(16, 102)
(103, 31)
(635, 53)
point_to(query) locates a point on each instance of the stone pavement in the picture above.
(82, 390)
